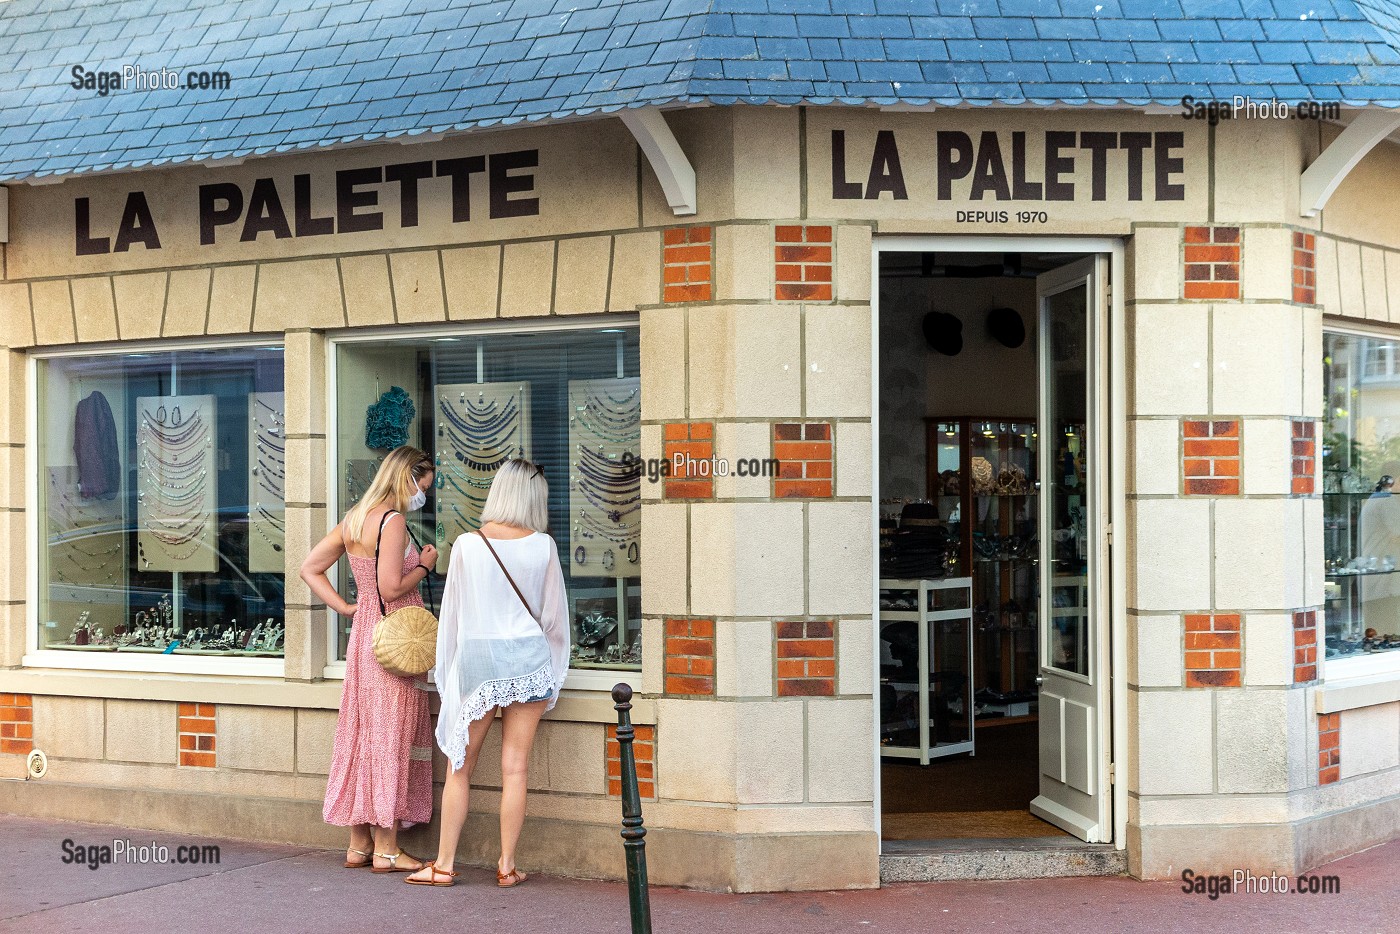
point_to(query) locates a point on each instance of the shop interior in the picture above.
(960, 537)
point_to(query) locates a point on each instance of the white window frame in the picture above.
(1386, 664)
(584, 679)
(35, 657)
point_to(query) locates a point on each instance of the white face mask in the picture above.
(417, 500)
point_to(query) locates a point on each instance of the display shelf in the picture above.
(926, 670)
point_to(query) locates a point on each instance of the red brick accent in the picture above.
(1304, 457)
(1212, 262)
(690, 656)
(806, 459)
(643, 751)
(802, 263)
(689, 449)
(1214, 658)
(687, 264)
(17, 724)
(197, 731)
(1210, 457)
(1304, 646)
(1329, 748)
(1304, 268)
(806, 658)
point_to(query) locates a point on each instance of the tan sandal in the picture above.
(510, 879)
(433, 873)
(394, 864)
(368, 859)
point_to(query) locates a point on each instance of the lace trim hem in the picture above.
(497, 693)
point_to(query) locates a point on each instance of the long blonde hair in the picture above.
(519, 496)
(394, 483)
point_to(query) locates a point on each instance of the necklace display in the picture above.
(605, 479)
(267, 482)
(86, 536)
(176, 483)
(479, 427)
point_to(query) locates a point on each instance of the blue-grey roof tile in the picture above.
(330, 71)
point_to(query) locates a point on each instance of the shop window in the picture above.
(569, 400)
(1360, 467)
(160, 496)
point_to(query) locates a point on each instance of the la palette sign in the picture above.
(306, 205)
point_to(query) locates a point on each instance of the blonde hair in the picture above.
(394, 483)
(519, 496)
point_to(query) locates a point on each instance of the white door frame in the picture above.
(1113, 729)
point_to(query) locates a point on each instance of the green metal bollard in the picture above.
(633, 833)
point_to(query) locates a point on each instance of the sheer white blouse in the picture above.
(490, 651)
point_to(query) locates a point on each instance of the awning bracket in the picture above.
(673, 170)
(1335, 162)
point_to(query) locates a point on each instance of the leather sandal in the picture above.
(433, 873)
(510, 879)
(393, 862)
(368, 859)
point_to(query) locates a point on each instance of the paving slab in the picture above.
(265, 888)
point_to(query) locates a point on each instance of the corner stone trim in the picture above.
(197, 735)
(690, 657)
(17, 724)
(1210, 457)
(802, 263)
(643, 750)
(1213, 652)
(806, 652)
(805, 460)
(1212, 263)
(687, 264)
(1329, 748)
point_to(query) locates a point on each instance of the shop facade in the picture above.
(1219, 702)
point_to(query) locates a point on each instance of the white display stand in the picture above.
(925, 617)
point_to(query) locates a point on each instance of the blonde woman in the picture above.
(503, 644)
(381, 770)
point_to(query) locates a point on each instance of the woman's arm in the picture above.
(313, 570)
(393, 542)
(554, 618)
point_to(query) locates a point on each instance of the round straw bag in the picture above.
(404, 641)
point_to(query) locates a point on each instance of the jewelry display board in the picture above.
(480, 426)
(267, 482)
(87, 553)
(605, 479)
(177, 484)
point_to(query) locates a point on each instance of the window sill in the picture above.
(156, 664)
(1351, 693)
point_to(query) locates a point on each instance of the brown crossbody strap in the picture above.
(513, 585)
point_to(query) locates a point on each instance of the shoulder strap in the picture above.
(377, 539)
(513, 585)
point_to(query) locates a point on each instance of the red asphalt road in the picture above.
(261, 888)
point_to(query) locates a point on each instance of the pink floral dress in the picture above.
(381, 769)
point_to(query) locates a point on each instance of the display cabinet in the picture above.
(926, 668)
(1362, 588)
(982, 473)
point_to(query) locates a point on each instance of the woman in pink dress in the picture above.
(381, 771)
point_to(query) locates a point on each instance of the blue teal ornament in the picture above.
(387, 421)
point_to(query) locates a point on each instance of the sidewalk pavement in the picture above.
(263, 888)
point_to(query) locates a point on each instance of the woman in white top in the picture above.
(503, 644)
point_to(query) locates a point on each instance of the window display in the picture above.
(1361, 511)
(161, 503)
(568, 399)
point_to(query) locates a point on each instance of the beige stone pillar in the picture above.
(306, 518)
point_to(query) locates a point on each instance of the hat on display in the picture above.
(1006, 326)
(943, 333)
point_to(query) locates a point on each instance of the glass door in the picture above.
(1073, 693)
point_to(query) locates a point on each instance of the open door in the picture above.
(1074, 614)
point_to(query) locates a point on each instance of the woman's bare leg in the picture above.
(361, 839)
(455, 792)
(518, 724)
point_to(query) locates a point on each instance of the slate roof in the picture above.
(308, 73)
